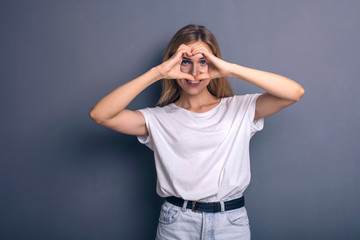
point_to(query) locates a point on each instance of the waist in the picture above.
(207, 206)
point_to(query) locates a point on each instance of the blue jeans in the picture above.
(184, 224)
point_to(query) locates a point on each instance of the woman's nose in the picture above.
(194, 70)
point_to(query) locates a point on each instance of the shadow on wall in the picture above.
(111, 176)
(117, 177)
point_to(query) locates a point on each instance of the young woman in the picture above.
(200, 133)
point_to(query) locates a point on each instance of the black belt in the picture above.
(207, 206)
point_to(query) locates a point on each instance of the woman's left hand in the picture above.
(217, 67)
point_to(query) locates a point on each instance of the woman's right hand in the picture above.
(170, 69)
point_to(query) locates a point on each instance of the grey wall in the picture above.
(64, 177)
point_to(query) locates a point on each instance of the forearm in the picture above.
(272, 83)
(118, 99)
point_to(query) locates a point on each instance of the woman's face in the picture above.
(194, 65)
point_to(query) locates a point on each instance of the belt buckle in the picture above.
(193, 207)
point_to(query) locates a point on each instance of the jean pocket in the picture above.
(169, 213)
(238, 217)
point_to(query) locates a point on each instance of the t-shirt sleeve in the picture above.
(146, 139)
(256, 125)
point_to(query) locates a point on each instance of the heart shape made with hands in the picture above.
(170, 69)
(216, 66)
(210, 72)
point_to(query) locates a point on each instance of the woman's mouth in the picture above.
(193, 83)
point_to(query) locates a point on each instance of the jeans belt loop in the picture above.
(193, 206)
(222, 207)
(183, 208)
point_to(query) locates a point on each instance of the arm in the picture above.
(110, 111)
(280, 91)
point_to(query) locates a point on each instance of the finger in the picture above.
(200, 49)
(202, 76)
(186, 76)
(180, 53)
(212, 60)
(184, 47)
(188, 54)
(183, 50)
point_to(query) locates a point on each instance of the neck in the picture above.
(196, 101)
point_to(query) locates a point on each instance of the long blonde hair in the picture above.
(219, 87)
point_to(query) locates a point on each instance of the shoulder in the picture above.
(242, 99)
(157, 110)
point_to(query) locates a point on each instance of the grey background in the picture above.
(64, 177)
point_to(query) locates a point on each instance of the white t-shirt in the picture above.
(202, 156)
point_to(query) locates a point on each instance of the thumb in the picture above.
(186, 76)
(202, 76)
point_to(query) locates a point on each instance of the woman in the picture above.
(199, 133)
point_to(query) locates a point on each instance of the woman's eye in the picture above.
(184, 62)
(203, 62)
